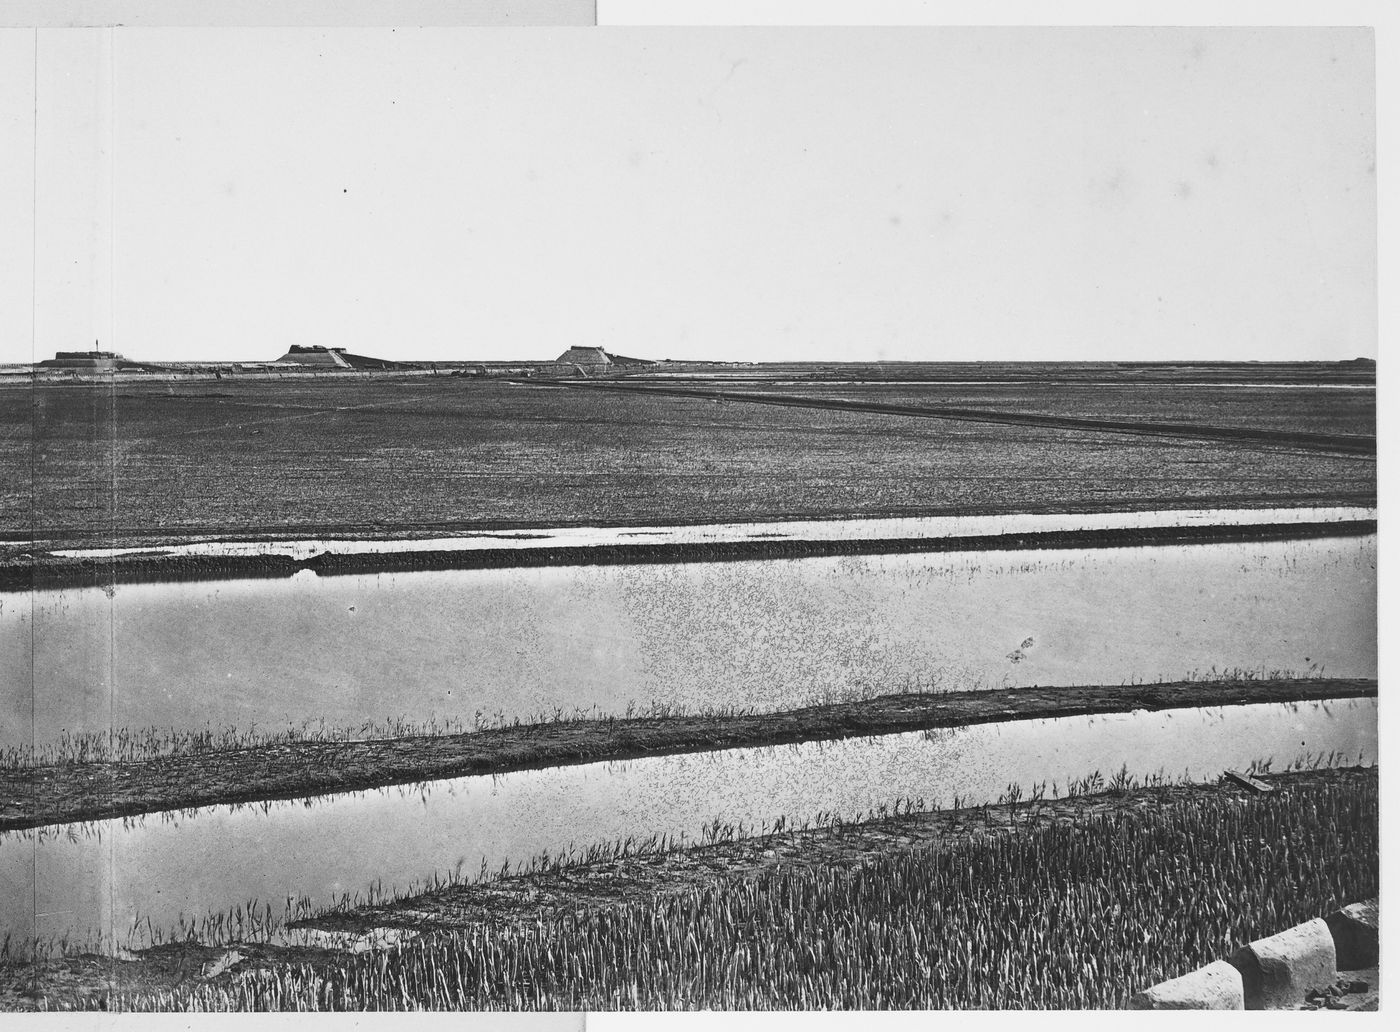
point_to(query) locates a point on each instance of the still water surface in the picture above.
(882, 528)
(455, 647)
(103, 877)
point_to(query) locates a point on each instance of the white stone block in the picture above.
(1217, 986)
(1281, 970)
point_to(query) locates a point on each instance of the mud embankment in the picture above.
(614, 882)
(36, 796)
(48, 571)
(88, 982)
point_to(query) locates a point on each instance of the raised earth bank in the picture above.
(1119, 890)
(28, 571)
(574, 889)
(36, 796)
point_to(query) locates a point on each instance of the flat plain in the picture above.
(1032, 899)
(141, 461)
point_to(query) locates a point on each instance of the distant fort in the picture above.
(319, 360)
(86, 361)
(318, 357)
(583, 362)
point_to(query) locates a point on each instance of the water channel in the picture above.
(456, 649)
(105, 880)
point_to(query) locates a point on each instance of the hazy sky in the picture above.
(723, 193)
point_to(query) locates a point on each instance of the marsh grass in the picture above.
(1259, 673)
(127, 745)
(1050, 915)
(261, 921)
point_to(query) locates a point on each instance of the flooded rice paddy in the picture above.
(456, 650)
(131, 882)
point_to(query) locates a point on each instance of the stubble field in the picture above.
(85, 463)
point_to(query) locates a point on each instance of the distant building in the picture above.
(586, 360)
(84, 361)
(595, 361)
(317, 357)
(314, 355)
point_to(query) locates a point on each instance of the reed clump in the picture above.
(129, 745)
(1059, 915)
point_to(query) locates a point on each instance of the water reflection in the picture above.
(456, 650)
(884, 528)
(158, 873)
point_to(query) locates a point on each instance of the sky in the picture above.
(731, 194)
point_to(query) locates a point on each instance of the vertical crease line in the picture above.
(34, 512)
(111, 143)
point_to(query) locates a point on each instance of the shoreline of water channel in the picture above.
(190, 872)
(47, 566)
(36, 796)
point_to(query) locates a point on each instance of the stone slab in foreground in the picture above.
(1356, 933)
(1217, 986)
(1281, 970)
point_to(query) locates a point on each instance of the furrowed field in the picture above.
(383, 455)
